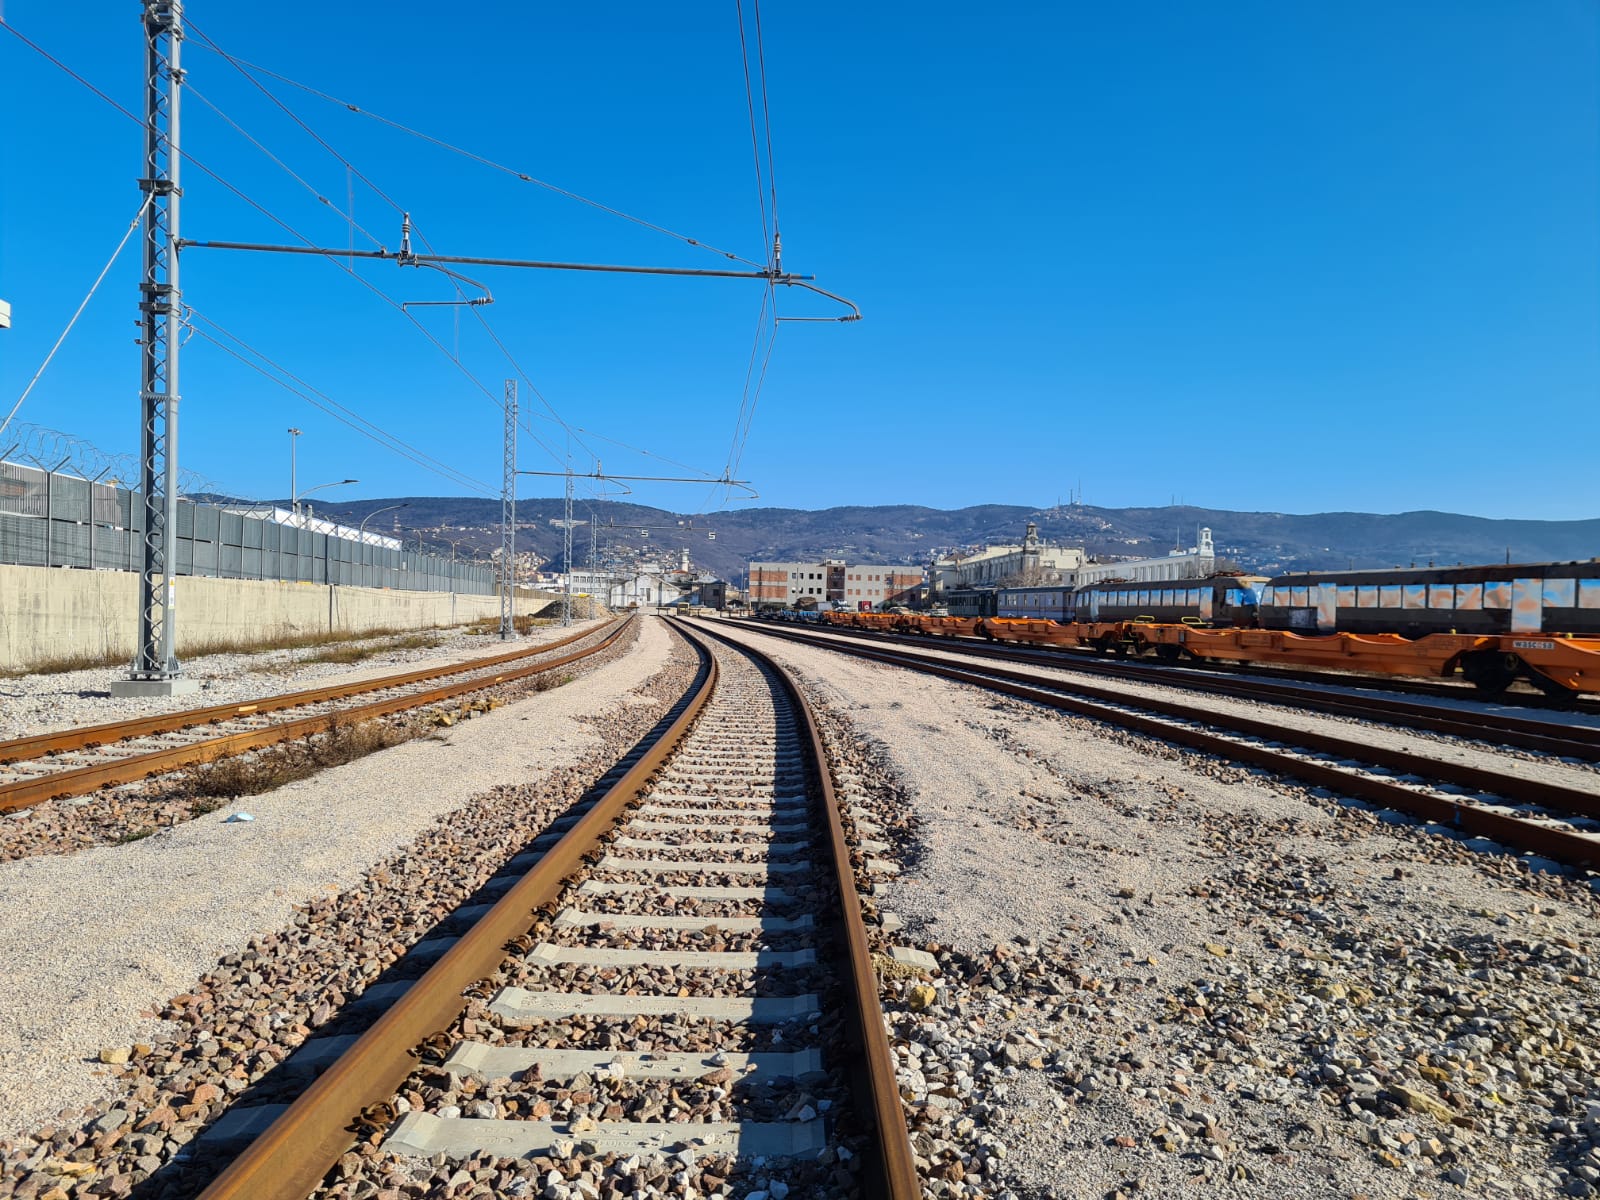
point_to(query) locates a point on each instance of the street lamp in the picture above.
(294, 502)
(294, 442)
(361, 532)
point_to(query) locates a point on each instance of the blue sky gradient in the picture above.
(1284, 257)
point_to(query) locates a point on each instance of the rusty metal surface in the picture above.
(24, 793)
(1553, 842)
(24, 748)
(296, 1151)
(878, 1092)
(1573, 741)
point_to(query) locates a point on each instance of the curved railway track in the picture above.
(1544, 737)
(76, 762)
(687, 939)
(1524, 813)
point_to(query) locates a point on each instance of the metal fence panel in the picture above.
(207, 523)
(69, 498)
(57, 519)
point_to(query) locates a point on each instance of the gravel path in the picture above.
(1587, 714)
(1583, 776)
(31, 704)
(1164, 975)
(94, 942)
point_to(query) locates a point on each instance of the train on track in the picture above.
(1491, 625)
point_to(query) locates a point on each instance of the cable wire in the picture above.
(478, 158)
(327, 404)
(190, 89)
(766, 117)
(352, 170)
(93, 288)
(241, 64)
(279, 221)
(755, 148)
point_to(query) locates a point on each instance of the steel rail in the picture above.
(877, 1090)
(1542, 736)
(290, 1157)
(88, 736)
(1556, 843)
(1402, 684)
(25, 793)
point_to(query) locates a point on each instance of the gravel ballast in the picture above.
(44, 703)
(1162, 974)
(96, 941)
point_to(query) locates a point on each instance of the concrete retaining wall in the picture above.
(53, 613)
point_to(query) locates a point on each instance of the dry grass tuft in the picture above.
(338, 643)
(265, 770)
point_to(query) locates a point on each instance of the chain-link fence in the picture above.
(49, 519)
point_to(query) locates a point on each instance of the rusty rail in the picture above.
(1563, 845)
(878, 1093)
(24, 793)
(292, 1155)
(85, 737)
(1546, 737)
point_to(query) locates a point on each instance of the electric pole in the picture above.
(155, 670)
(508, 520)
(566, 603)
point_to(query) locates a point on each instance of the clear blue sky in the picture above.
(1296, 257)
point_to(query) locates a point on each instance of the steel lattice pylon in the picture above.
(159, 300)
(508, 519)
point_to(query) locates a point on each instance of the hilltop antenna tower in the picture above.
(155, 670)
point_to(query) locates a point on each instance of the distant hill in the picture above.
(1268, 542)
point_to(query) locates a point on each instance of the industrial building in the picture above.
(1194, 563)
(833, 581)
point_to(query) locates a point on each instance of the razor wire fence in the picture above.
(52, 519)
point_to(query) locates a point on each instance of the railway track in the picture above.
(674, 980)
(1524, 813)
(76, 762)
(1544, 737)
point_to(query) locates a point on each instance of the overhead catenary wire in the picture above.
(93, 288)
(748, 400)
(326, 403)
(755, 147)
(755, 397)
(766, 120)
(353, 171)
(275, 219)
(577, 432)
(191, 90)
(482, 160)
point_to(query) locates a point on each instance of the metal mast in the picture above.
(566, 601)
(508, 520)
(155, 667)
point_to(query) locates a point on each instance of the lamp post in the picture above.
(361, 532)
(294, 504)
(294, 442)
